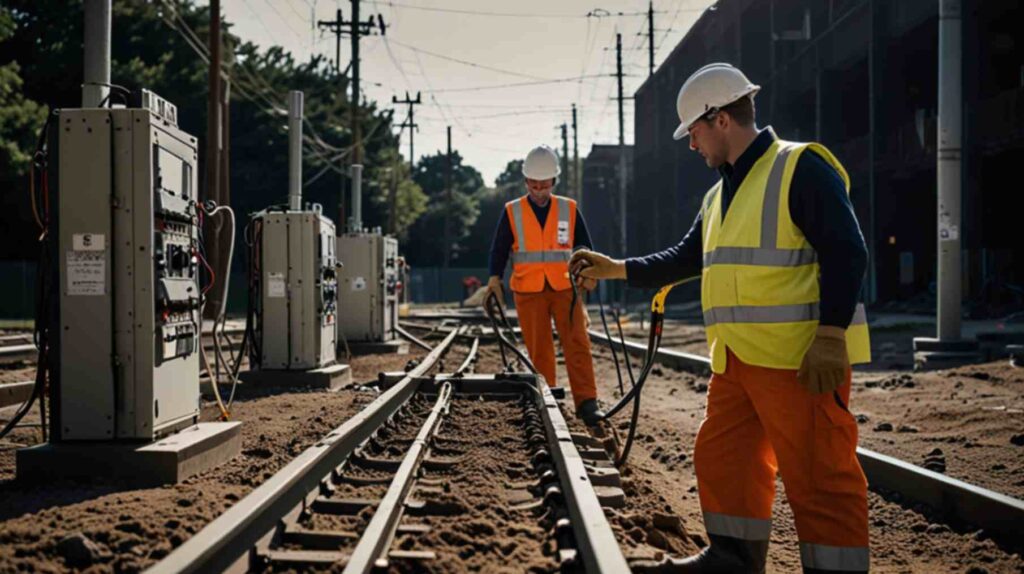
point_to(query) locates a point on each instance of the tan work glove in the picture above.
(593, 265)
(494, 286)
(824, 367)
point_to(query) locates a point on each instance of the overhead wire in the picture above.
(503, 14)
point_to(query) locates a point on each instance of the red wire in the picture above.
(213, 276)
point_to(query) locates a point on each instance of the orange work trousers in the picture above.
(535, 313)
(760, 421)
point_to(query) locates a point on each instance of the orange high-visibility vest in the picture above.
(539, 254)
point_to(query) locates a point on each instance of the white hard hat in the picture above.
(710, 88)
(541, 163)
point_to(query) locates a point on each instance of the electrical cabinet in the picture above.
(369, 283)
(124, 361)
(298, 289)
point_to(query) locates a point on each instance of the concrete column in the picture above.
(949, 169)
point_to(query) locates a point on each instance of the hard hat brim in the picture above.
(682, 132)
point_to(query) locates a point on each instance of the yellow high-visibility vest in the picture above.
(759, 286)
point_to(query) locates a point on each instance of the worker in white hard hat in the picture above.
(539, 231)
(781, 259)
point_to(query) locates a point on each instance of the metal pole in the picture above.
(448, 198)
(622, 150)
(295, 150)
(96, 72)
(337, 43)
(576, 184)
(650, 37)
(357, 198)
(949, 169)
(214, 144)
(565, 160)
(357, 152)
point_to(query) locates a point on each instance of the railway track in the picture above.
(398, 484)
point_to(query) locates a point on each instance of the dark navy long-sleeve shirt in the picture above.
(501, 245)
(818, 205)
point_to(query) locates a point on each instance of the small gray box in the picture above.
(368, 285)
(298, 290)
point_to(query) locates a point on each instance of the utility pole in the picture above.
(622, 149)
(336, 27)
(96, 63)
(650, 37)
(565, 161)
(355, 30)
(410, 122)
(576, 183)
(448, 199)
(214, 143)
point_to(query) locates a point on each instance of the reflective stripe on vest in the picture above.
(517, 220)
(760, 256)
(773, 314)
(559, 256)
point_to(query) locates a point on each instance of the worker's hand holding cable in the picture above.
(824, 367)
(586, 264)
(494, 286)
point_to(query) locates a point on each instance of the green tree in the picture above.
(20, 121)
(426, 239)
(155, 46)
(512, 174)
(397, 187)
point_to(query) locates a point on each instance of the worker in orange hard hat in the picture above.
(540, 230)
(781, 259)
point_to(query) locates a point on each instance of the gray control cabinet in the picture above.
(125, 361)
(298, 290)
(368, 285)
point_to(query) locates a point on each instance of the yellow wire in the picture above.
(658, 302)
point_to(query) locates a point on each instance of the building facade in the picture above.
(861, 77)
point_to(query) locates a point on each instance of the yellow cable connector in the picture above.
(658, 302)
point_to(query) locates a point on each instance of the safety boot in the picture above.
(725, 555)
(590, 412)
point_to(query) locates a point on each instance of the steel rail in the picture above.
(597, 547)
(413, 339)
(955, 498)
(380, 532)
(230, 540)
(470, 358)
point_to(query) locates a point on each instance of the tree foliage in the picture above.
(153, 47)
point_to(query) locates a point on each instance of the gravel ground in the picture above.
(49, 528)
(904, 538)
(972, 414)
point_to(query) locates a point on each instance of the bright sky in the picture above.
(499, 43)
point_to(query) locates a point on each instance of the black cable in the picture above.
(489, 304)
(625, 351)
(611, 346)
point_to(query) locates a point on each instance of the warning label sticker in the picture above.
(276, 285)
(88, 242)
(86, 273)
